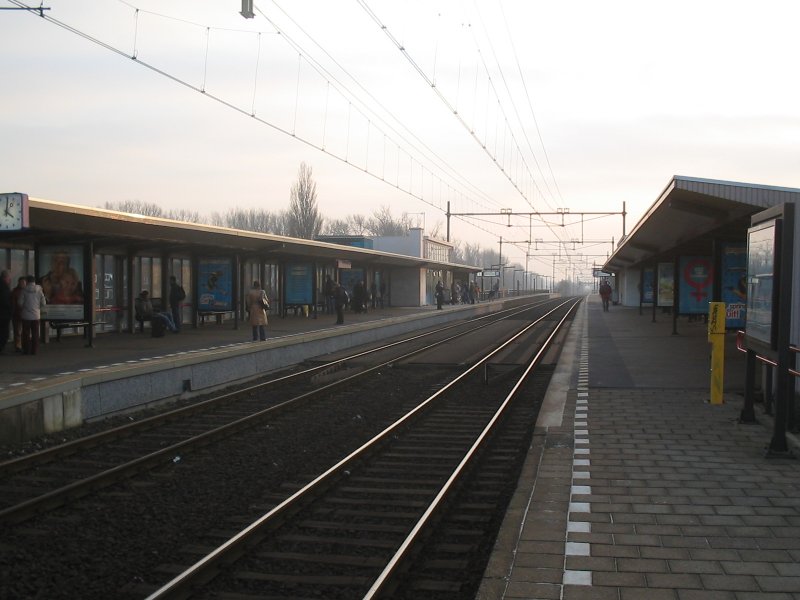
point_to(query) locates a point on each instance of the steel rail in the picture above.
(21, 463)
(181, 585)
(82, 487)
(394, 563)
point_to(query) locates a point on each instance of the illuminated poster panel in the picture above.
(299, 283)
(734, 284)
(666, 284)
(696, 277)
(62, 282)
(760, 277)
(214, 284)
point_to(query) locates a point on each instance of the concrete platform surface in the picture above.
(642, 489)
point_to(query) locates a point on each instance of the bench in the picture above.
(218, 314)
(59, 325)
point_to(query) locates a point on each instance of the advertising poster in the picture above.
(299, 283)
(760, 276)
(666, 284)
(648, 286)
(214, 284)
(350, 277)
(695, 282)
(62, 281)
(734, 284)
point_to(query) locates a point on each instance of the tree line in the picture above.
(302, 219)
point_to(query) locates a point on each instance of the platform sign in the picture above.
(214, 284)
(63, 281)
(299, 283)
(761, 293)
(695, 281)
(666, 284)
(734, 284)
(489, 274)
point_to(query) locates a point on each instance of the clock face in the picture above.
(13, 212)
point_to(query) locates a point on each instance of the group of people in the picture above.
(20, 311)
(337, 298)
(464, 293)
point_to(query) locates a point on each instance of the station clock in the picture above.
(13, 212)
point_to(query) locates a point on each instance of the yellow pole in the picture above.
(716, 336)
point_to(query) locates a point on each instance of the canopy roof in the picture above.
(113, 231)
(692, 211)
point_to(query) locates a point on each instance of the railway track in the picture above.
(174, 508)
(46, 480)
(353, 531)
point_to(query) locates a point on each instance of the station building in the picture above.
(106, 258)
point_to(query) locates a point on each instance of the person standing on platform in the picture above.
(32, 301)
(373, 288)
(329, 299)
(439, 295)
(6, 311)
(605, 294)
(257, 306)
(340, 301)
(382, 291)
(176, 296)
(16, 313)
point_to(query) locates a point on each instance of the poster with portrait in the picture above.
(695, 281)
(299, 283)
(214, 284)
(61, 269)
(666, 284)
(734, 284)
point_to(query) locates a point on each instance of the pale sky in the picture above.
(625, 95)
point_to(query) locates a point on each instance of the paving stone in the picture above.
(642, 593)
(594, 592)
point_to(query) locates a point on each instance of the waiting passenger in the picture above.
(145, 312)
(257, 307)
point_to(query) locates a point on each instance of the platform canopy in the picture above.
(692, 211)
(113, 231)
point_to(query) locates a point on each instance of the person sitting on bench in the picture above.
(145, 312)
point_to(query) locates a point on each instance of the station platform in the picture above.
(635, 487)
(70, 355)
(67, 383)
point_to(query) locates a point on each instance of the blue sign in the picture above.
(695, 279)
(734, 284)
(214, 284)
(299, 284)
(648, 286)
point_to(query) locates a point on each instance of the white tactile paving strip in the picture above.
(580, 475)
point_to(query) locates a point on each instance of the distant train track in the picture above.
(227, 429)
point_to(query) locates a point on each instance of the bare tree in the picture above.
(304, 218)
(358, 224)
(253, 219)
(136, 207)
(187, 216)
(337, 227)
(472, 254)
(383, 223)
